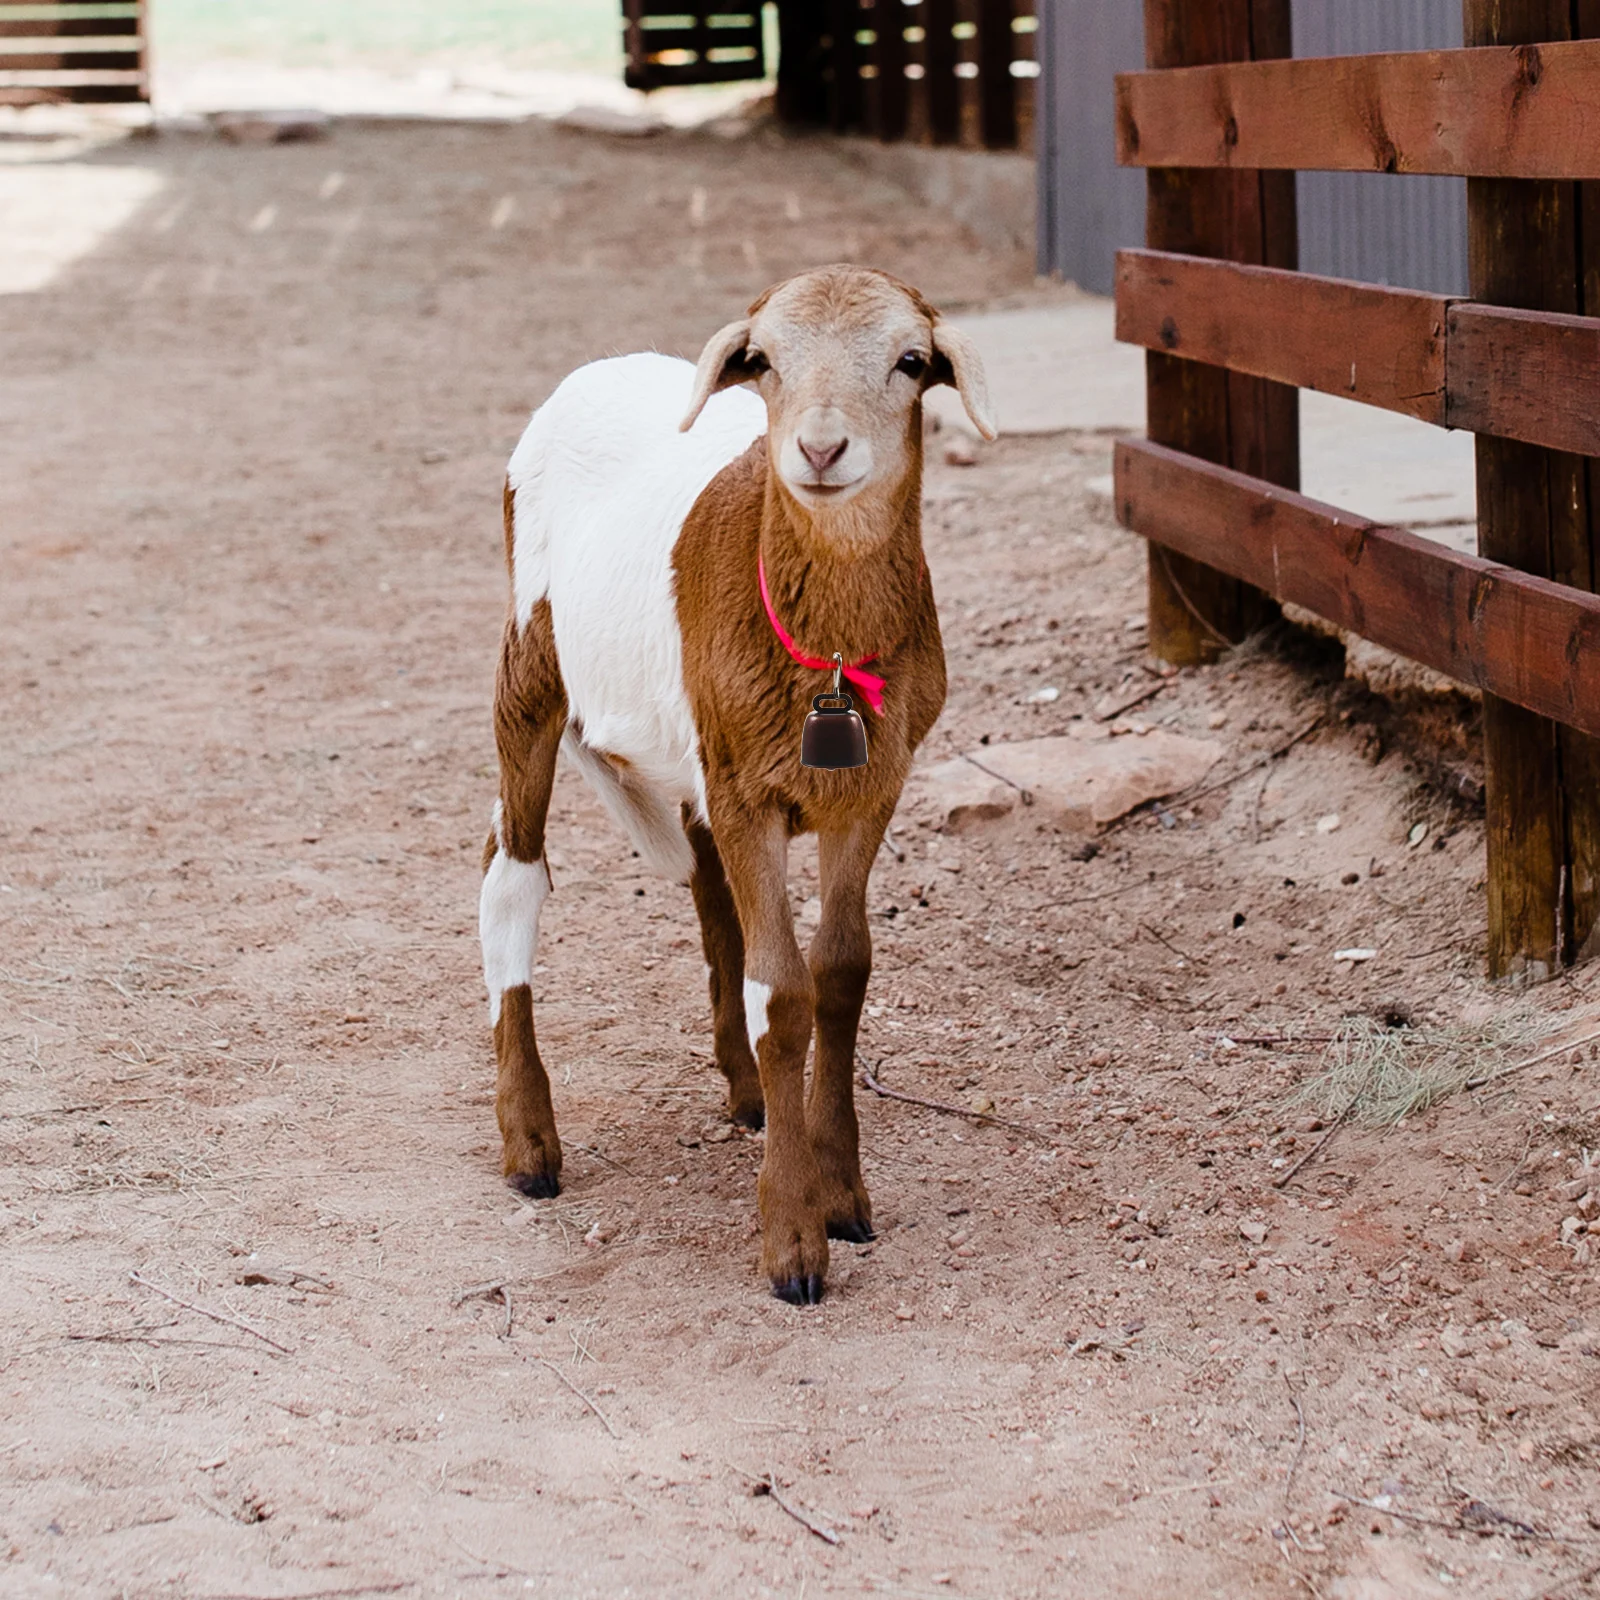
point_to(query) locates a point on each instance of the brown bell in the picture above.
(834, 735)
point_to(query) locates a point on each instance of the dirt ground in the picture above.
(251, 586)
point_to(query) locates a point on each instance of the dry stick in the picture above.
(1532, 1061)
(325, 1594)
(1138, 700)
(1507, 1530)
(949, 1110)
(1189, 796)
(205, 1311)
(1284, 1179)
(494, 1286)
(769, 1486)
(1000, 777)
(605, 1420)
(1300, 1442)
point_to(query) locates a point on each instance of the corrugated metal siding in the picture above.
(1405, 231)
(1088, 206)
(1411, 232)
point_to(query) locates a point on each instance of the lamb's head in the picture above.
(842, 356)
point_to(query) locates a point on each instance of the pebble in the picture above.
(959, 453)
(1254, 1232)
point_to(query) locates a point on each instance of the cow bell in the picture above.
(834, 736)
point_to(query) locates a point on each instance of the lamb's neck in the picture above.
(848, 580)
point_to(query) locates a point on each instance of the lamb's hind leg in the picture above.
(723, 943)
(530, 714)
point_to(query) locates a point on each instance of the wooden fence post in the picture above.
(1532, 245)
(1245, 423)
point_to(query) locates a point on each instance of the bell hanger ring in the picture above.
(834, 738)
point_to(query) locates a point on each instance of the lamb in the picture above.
(687, 544)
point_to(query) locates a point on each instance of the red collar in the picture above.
(870, 685)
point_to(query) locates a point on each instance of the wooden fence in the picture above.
(1222, 121)
(72, 50)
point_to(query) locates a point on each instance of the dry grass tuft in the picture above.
(1380, 1074)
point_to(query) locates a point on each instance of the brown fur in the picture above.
(750, 699)
(852, 579)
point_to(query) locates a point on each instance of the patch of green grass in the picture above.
(1379, 1074)
(571, 35)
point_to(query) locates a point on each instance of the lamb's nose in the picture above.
(823, 456)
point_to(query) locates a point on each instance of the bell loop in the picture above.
(838, 672)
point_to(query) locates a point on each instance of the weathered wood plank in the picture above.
(1524, 638)
(1532, 111)
(1244, 421)
(1384, 347)
(68, 27)
(1525, 375)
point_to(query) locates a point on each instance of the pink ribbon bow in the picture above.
(870, 685)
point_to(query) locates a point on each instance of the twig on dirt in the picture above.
(1488, 1521)
(1285, 1178)
(206, 1311)
(1128, 705)
(1000, 777)
(769, 1486)
(486, 1291)
(870, 1082)
(1300, 1441)
(1532, 1061)
(600, 1155)
(604, 1419)
(399, 1586)
(1189, 796)
(478, 1291)
(484, 1561)
(1182, 955)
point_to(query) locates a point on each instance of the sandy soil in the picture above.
(250, 587)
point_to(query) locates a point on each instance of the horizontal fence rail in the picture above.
(72, 50)
(1533, 376)
(1528, 640)
(1532, 111)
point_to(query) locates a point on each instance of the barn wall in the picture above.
(1405, 231)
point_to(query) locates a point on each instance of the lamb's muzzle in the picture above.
(641, 547)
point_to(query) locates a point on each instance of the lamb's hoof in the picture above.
(799, 1291)
(536, 1185)
(753, 1117)
(852, 1231)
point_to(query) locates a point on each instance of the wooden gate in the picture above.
(1221, 123)
(53, 51)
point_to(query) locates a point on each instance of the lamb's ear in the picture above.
(722, 364)
(956, 362)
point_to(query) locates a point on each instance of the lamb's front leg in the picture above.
(841, 964)
(778, 1004)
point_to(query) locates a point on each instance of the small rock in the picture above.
(1417, 835)
(1329, 823)
(1527, 1450)
(1454, 1343)
(1217, 719)
(1047, 696)
(959, 452)
(904, 1314)
(1254, 1232)
(720, 1134)
(1356, 954)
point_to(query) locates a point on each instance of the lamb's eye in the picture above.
(912, 363)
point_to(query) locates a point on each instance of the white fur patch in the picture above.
(756, 996)
(602, 482)
(508, 920)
